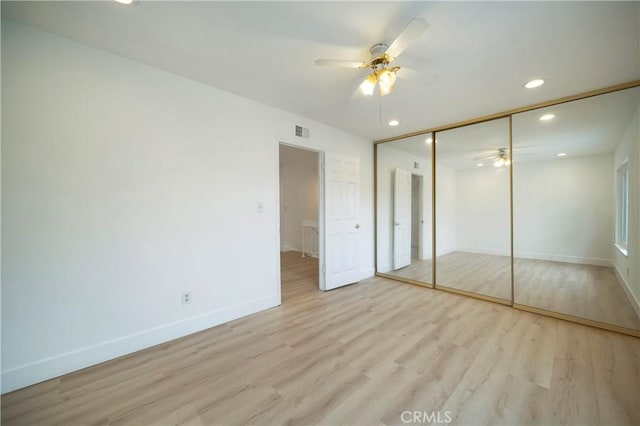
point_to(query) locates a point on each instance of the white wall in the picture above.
(124, 185)
(563, 209)
(628, 267)
(388, 159)
(298, 196)
(483, 220)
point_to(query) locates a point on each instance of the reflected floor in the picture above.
(477, 273)
(585, 291)
(419, 270)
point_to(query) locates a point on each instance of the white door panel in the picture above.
(401, 218)
(342, 203)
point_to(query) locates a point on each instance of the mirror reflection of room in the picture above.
(473, 241)
(576, 221)
(404, 200)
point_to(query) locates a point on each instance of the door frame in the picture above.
(321, 210)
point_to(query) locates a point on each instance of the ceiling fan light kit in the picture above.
(369, 84)
(383, 75)
(500, 159)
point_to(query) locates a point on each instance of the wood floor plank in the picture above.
(616, 371)
(358, 355)
(586, 291)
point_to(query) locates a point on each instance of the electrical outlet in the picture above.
(186, 298)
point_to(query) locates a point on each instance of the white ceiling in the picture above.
(481, 52)
(585, 127)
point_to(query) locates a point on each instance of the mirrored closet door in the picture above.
(473, 224)
(576, 221)
(404, 204)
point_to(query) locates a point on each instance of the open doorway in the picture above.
(416, 217)
(300, 222)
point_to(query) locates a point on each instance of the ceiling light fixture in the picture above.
(502, 158)
(428, 141)
(534, 83)
(562, 154)
(547, 117)
(126, 1)
(382, 74)
(368, 85)
(394, 123)
(480, 164)
(382, 55)
(386, 80)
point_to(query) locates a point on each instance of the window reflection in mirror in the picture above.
(473, 228)
(576, 221)
(404, 197)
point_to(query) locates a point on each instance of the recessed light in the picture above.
(534, 83)
(480, 164)
(547, 117)
(428, 141)
(126, 1)
(394, 123)
(562, 154)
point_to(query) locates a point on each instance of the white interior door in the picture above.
(342, 204)
(401, 218)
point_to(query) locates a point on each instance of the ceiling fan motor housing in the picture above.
(377, 52)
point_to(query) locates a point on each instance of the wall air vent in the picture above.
(302, 132)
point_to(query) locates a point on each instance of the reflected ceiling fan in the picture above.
(499, 159)
(382, 73)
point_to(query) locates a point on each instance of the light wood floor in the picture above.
(358, 355)
(586, 291)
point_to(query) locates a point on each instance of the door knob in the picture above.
(357, 226)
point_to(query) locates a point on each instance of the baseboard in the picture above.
(541, 256)
(485, 251)
(444, 251)
(627, 289)
(58, 365)
(287, 247)
(566, 259)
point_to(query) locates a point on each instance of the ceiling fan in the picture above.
(501, 158)
(382, 73)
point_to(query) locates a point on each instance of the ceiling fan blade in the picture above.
(412, 31)
(340, 63)
(418, 76)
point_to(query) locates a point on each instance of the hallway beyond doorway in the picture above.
(298, 275)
